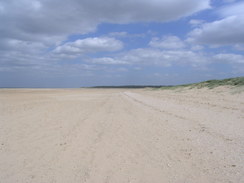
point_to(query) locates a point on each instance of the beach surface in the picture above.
(121, 135)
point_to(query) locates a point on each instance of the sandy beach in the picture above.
(121, 135)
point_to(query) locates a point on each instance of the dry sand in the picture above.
(119, 135)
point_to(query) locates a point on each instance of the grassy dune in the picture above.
(239, 81)
(235, 82)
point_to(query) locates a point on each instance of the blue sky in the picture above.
(74, 43)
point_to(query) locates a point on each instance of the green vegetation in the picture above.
(239, 81)
(129, 86)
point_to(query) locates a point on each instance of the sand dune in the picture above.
(119, 135)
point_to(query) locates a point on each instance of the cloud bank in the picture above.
(44, 20)
(91, 37)
(89, 45)
(226, 31)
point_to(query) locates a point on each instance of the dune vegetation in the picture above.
(235, 82)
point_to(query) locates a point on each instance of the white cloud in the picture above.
(232, 9)
(107, 60)
(196, 47)
(118, 34)
(90, 45)
(167, 42)
(34, 27)
(239, 47)
(223, 32)
(125, 35)
(19, 45)
(226, 31)
(196, 58)
(196, 22)
(47, 20)
(152, 56)
(229, 58)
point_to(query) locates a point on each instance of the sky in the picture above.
(80, 43)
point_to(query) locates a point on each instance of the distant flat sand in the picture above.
(121, 136)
